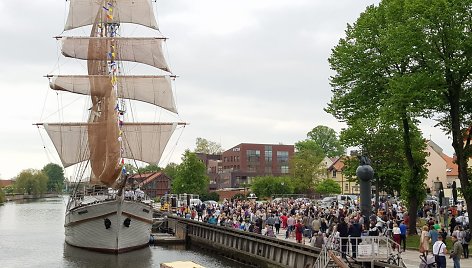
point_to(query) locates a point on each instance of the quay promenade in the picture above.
(228, 242)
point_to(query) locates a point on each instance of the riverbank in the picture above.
(17, 197)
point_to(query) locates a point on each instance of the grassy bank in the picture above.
(413, 242)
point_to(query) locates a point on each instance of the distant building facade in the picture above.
(214, 167)
(335, 172)
(441, 169)
(153, 184)
(248, 160)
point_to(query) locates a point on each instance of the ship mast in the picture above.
(105, 139)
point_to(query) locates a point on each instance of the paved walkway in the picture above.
(410, 257)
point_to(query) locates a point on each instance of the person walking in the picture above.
(396, 236)
(299, 231)
(439, 252)
(465, 242)
(403, 235)
(456, 252)
(424, 240)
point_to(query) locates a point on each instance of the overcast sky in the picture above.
(250, 71)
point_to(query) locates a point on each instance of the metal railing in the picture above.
(360, 249)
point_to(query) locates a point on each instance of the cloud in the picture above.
(249, 71)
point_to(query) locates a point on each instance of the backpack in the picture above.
(467, 237)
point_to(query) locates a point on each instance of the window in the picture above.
(253, 155)
(284, 169)
(251, 168)
(282, 157)
(268, 154)
(346, 187)
(334, 173)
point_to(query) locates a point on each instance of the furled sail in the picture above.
(156, 90)
(139, 49)
(84, 12)
(142, 141)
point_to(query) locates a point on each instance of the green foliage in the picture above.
(55, 174)
(131, 169)
(207, 147)
(2, 196)
(380, 82)
(268, 186)
(149, 169)
(171, 170)
(305, 166)
(210, 196)
(32, 182)
(190, 176)
(327, 187)
(239, 197)
(383, 144)
(9, 189)
(326, 139)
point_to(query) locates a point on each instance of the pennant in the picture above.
(120, 139)
(124, 170)
(110, 16)
(105, 8)
(121, 123)
(117, 107)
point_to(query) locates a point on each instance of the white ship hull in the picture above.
(85, 226)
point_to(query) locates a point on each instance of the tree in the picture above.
(326, 138)
(190, 176)
(376, 81)
(305, 166)
(207, 147)
(383, 145)
(31, 181)
(327, 187)
(210, 196)
(55, 174)
(149, 169)
(171, 170)
(268, 186)
(444, 51)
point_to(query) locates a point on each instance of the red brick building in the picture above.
(153, 184)
(247, 160)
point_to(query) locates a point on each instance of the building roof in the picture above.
(146, 178)
(451, 168)
(338, 164)
(4, 183)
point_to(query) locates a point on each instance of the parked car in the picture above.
(210, 203)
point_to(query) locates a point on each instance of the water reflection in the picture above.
(77, 257)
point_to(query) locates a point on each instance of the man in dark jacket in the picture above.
(343, 230)
(355, 231)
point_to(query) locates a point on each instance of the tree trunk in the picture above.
(413, 201)
(458, 142)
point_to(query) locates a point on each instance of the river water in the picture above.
(32, 235)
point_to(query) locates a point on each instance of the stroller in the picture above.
(427, 261)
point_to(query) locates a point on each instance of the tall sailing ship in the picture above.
(99, 217)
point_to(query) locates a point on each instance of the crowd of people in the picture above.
(312, 223)
(302, 219)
